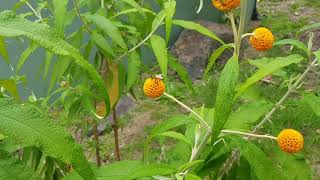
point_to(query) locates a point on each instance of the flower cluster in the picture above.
(153, 87)
(226, 5)
(262, 39)
(290, 140)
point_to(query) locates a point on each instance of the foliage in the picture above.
(93, 66)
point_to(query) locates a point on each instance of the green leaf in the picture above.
(133, 170)
(135, 5)
(12, 168)
(25, 55)
(158, 19)
(12, 25)
(160, 50)
(169, 10)
(181, 71)
(313, 101)
(197, 27)
(272, 65)
(60, 13)
(293, 42)
(289, 163)
(262, 166)
(11, 86)
(173, 122)
(177, 136)
(246, 115)
(310, 27)
(152, 170)
(118, 170)
(192, 177)
(189, 164)
(102, 42)
(3, 50)
(214, 56)
(317, 54)
(47, 64)
(127, 11)
(134, 65)
(30, 125)
(225, 94)
(59, 68)
(108, 28)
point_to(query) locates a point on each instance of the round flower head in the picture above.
(290, 140)
(262, 39)
(225, 5)
(153, 87)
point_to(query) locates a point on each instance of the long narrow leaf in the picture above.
(102, 42)
(134, 65)
(169, 10)
(108, 28)
(181, 71)
(12, 25)
(271, 66)
(60, 13)
(13, 168)
(160, 50)
(197, 27)
(25, 55)
(262, 166)
(225, 94)
(3, 50)
(293, 42)
(30, 125)
(214, 56)
(11, 86)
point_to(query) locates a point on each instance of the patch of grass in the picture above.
(284, 30)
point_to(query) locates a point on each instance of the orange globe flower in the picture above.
(290, 140)
(153, 87)
(225, 5)
(262, 39)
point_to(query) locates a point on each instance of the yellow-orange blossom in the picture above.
(153, 87)
(290, 140)
(225, 5)
(262, 39)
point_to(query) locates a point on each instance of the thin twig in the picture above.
(284, 98)
(248, 134)
(79, 14)
(116, 134)
(142, 42)
(34, 11)
(96, 139)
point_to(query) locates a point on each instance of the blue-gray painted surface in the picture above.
(33, 68)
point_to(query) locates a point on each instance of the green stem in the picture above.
(200, 119)
(142, 42)
(102, 4)
(79, 14)
(248, 134)
(233, 25)
(285, 97)
(34, 11)
(241, 25)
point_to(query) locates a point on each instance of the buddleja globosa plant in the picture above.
(111, 34)
(217, 139)
(33, 146)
